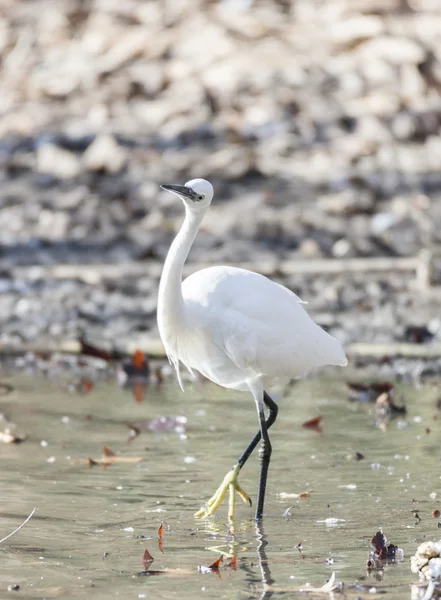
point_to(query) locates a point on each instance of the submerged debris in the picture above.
(5, 388)
(287, 495)
(133, 368)
(31, 514)
(108, 458)
(369, 392)
(383, 552)
(357, 456)
(160, 425)
(9, 432)
(386, 409)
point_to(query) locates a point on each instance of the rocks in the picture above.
(319, 127)
(427, 560)
(104, 154)
(53, 160)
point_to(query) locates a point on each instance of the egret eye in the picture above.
(200, 197)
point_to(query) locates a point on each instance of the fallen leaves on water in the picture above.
(299, 547)
(158, 425)
(417, 516)
(5, 388)
(314, 424)
(133, 369)
(287, 512)
(232, 563)
(88, 349)
(160, 536)
(9, 432)
(436, 513)
(368, 392)
(215, 564)
(147, 559)
(82, 386)
(357, 456)
(286, 495)
(385, 409)
(212, 568)
(383, 551)
(108, 458)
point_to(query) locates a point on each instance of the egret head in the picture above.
(197, 194)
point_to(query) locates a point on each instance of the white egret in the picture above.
(239, 329)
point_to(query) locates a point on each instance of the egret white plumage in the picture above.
(239, 329)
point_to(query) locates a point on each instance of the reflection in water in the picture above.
(265, 570)
(265, 581)
(233, 547)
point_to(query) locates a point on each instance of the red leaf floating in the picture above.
(108, 452)
(147, 559)
(314, 424)
(215, 564)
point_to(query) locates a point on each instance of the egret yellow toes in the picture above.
(229, 484)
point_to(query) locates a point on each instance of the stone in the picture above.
(105, 154)
(56, 161)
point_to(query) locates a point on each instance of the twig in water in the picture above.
(20, 526)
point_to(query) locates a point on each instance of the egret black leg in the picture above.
(273, 410)
(265, 457)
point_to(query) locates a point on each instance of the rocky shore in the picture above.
(318, 124)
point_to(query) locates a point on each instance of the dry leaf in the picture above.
(108, 458)
(215, 564)
(147, 559)
(314, 424)
(286, 495)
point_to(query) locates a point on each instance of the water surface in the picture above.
(92, 524)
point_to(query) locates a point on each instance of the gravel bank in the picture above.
(317, 124)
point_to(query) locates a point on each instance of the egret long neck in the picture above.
(170, 301)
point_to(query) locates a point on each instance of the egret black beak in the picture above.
(181, 190)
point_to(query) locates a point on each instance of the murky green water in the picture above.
(92, 523)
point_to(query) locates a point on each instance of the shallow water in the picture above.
(92, 524)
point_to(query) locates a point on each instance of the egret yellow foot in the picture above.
(229, 484)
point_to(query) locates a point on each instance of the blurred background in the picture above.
(318, 123)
